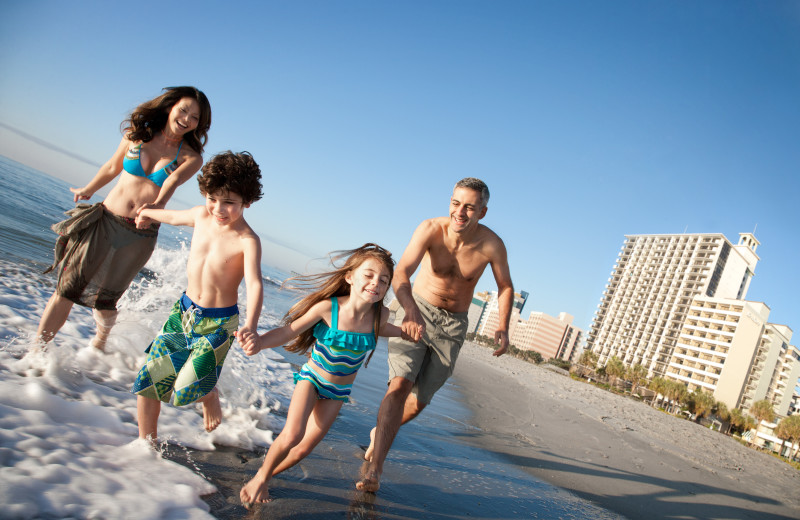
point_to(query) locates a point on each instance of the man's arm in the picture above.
(505, 294)
(173, 217)
(253, 283)
(413, 327)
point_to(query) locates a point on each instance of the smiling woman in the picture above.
(100, 248)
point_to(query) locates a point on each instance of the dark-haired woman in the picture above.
(100, 249)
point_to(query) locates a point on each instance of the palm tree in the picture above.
(748, 423)
(636, 374)
(676, 393)
(790, 426)
(762, 411)
(737, 418)
(702, 402)
(781, 433)
(723, 413)
(659, 386)
(615, 368)
(588, 359)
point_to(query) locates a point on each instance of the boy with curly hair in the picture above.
(185, 360)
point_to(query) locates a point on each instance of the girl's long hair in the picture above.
(332, 284)
(149, 118)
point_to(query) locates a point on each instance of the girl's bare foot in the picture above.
(212, 411)
(371, 448)
(254, 492)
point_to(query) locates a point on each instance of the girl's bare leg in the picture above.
(303, 400)
(322, 417)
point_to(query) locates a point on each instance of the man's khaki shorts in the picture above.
(430, 362)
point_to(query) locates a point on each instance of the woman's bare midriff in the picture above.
(129, 194)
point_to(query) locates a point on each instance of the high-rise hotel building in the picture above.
(651, 288)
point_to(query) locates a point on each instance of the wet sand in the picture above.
(437, 469)
(616, 452)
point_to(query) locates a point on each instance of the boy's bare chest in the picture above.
(216, 251)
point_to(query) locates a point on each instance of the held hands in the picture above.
(81, 194)
(142, 222)
(412, 327)
(248, 339)
(501, 338)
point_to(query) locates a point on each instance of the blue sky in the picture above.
(588, 120)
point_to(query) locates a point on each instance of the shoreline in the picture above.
(618, 453)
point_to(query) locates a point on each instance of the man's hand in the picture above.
(412, 327)
(501, 338)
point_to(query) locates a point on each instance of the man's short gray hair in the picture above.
(476, 185)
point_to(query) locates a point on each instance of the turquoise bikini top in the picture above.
(340, 352)
(132, 164)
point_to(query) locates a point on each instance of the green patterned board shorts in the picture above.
(185, 360)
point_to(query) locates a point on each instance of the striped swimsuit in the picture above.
(336, 352)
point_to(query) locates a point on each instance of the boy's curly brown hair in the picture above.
(233, 172)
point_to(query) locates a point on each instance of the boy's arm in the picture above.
(172, 217)
(253, 283)
(282, 335)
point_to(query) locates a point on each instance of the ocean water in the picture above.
(68, 434)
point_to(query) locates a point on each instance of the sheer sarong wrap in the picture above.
(98, 254)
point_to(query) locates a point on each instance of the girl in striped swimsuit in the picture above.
(340, 322)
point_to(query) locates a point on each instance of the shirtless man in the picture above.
(452, 253)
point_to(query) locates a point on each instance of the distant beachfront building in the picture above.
(728, 348)
(551, 337)
(483, 315)
(652, 285)
(476, 310)
(775, 371)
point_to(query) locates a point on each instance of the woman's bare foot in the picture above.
(104, 321)
(212, 411)
(98, 344)
(254, 492)
(371, 448)
(370, 479)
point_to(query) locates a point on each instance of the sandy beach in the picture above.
(619, 453)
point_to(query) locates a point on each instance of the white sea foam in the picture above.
(68, 433)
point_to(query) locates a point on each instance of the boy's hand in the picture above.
(249, 341)
(142, 222)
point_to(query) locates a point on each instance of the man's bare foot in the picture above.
(370, 479)
(212, 411)
(371, 448)
(254, 492)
